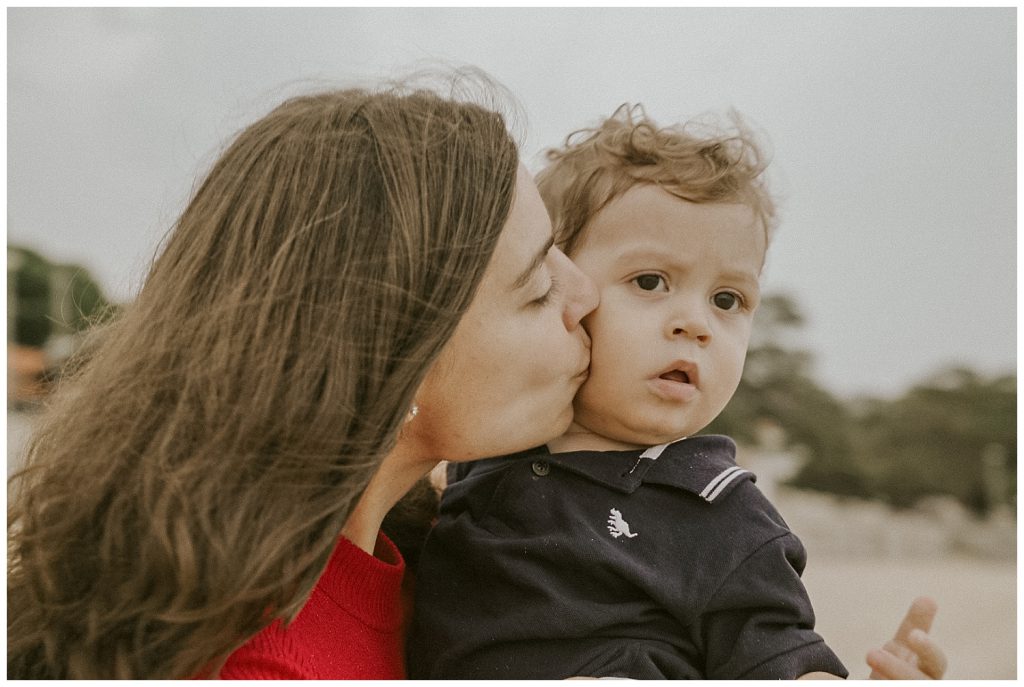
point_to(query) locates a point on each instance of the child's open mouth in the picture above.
(677, 384)
(676, 376)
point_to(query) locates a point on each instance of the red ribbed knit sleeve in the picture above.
(351, 628)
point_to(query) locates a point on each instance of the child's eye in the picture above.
(727, 300)
(651, 282)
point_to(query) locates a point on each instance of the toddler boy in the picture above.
(629, 547)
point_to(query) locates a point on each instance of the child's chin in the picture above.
(669, 429)
(666, 438)
(665, 435)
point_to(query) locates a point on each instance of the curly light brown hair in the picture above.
(189, 482)
(698, 162)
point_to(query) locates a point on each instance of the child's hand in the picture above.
(911, 654)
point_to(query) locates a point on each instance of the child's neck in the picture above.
(579, 438)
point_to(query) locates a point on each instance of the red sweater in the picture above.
(352, 627)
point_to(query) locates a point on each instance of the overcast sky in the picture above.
(893, 133)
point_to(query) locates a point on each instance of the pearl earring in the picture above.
(413, 411)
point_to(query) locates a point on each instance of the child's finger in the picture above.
(885, 666)
(931, 660)
(900, 650)
(919, 617)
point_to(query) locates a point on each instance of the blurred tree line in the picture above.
(48, 299)
(49, 307)
(952, 434)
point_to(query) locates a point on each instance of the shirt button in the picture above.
(541, 468)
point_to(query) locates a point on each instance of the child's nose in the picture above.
(691, 324)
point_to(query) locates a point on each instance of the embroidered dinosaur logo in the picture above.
(617, 526)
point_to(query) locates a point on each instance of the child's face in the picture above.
(679, 286)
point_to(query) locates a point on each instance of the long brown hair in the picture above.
(190, 480)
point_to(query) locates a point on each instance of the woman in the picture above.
(363, 285)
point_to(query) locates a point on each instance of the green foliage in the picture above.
(777, 385)
(82, 301)
(955, 434)
(30, 287)
(49, 298)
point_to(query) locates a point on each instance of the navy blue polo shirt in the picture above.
(662, 563)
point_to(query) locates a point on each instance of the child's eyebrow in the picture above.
(537, 261)
(655, 254)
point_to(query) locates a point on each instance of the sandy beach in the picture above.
(859, 603)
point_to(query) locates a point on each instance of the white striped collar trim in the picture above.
(720, 482)
(654, 451)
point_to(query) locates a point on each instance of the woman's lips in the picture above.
(581, 376)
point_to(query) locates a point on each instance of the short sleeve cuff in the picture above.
(809, 658)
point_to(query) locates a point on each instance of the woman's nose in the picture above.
(581, 296)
